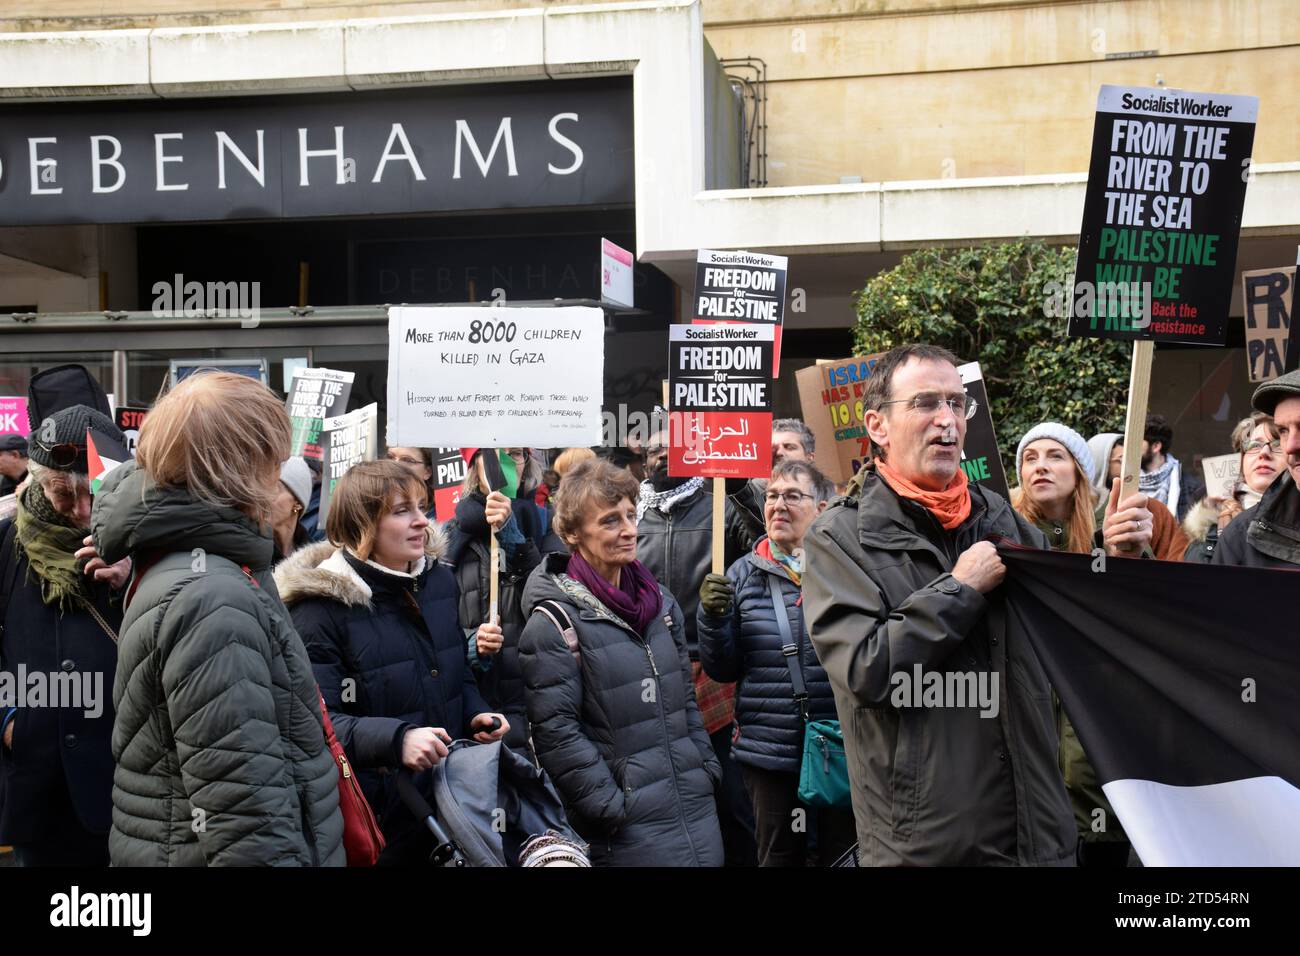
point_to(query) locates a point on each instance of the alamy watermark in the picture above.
(922, 688)
(82, 691)
(216, 300)
(78, 909)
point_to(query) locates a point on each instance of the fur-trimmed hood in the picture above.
(1199, 518)
(320, 571)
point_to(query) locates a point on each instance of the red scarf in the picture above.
(950, 506)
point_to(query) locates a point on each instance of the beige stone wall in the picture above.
(930, 90)
(899, 89)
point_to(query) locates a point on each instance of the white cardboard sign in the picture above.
(1221, 474)
(495, 377)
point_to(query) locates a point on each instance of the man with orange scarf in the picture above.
(902, 603)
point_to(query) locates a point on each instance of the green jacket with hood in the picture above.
(933, 785)
(221, 757)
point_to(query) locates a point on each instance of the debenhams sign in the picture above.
(502, 146)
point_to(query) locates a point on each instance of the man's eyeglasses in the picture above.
(791, 498)
(404, 461)
(63, 455)
(927, 403)
(1254, 447)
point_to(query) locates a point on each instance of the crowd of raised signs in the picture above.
(198, 669)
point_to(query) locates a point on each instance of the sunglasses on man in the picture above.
(64, 455)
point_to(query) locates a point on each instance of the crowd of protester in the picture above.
(668, 705)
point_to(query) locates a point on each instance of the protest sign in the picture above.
(345, 440)
(1266, 298)
(830, 395)
(13, 416)
(315, 395)
(979, 453)
(128, 419)
(1293, 341)
(448, 477)
(1221, 474)
(615, 274)
(720, 400)
(495, 377)
(741, 287)
(1162, 214)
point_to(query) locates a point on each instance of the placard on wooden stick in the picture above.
(1161, 220)
(720, 409)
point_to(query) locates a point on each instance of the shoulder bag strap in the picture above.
(789, 646)
(566, 629)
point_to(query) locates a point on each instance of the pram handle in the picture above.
(444, 851)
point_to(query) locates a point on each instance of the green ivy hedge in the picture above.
(1004, 306)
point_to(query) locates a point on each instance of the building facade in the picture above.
(842, 135)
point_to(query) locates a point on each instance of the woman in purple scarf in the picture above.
(609, 691)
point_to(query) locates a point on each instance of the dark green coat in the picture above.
(221, 757)
(932, 785)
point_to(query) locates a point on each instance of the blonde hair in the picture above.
(365, 496)
(1246, 427)
(1081, 526)
(570, 458)
(221, 437)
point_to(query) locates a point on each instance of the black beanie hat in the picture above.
(68, 427)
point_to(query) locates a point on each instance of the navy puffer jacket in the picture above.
(745, 647)
(396, 637)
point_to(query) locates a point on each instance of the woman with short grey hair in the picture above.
(751, 629)
(609, 688)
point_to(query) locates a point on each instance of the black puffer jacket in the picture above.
(618, 730)
(396, 638)
(221, 755)
(499, 678)
(745, 646)
(60, 754)
(677, 548)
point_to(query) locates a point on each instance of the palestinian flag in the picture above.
(499, 470)
(103, 454)
(1183, 683)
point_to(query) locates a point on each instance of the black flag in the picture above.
(1183, 683)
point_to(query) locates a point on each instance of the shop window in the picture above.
(146, 372)
(16, 370)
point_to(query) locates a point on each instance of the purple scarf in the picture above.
(636, 599)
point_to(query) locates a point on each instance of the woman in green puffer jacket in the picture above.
(220, 752)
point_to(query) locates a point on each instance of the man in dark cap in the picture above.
(1268, 535)
(60, 610)
(13, 463)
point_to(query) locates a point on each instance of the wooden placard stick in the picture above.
(1135, 422)
(719, 525)
(494, 556)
